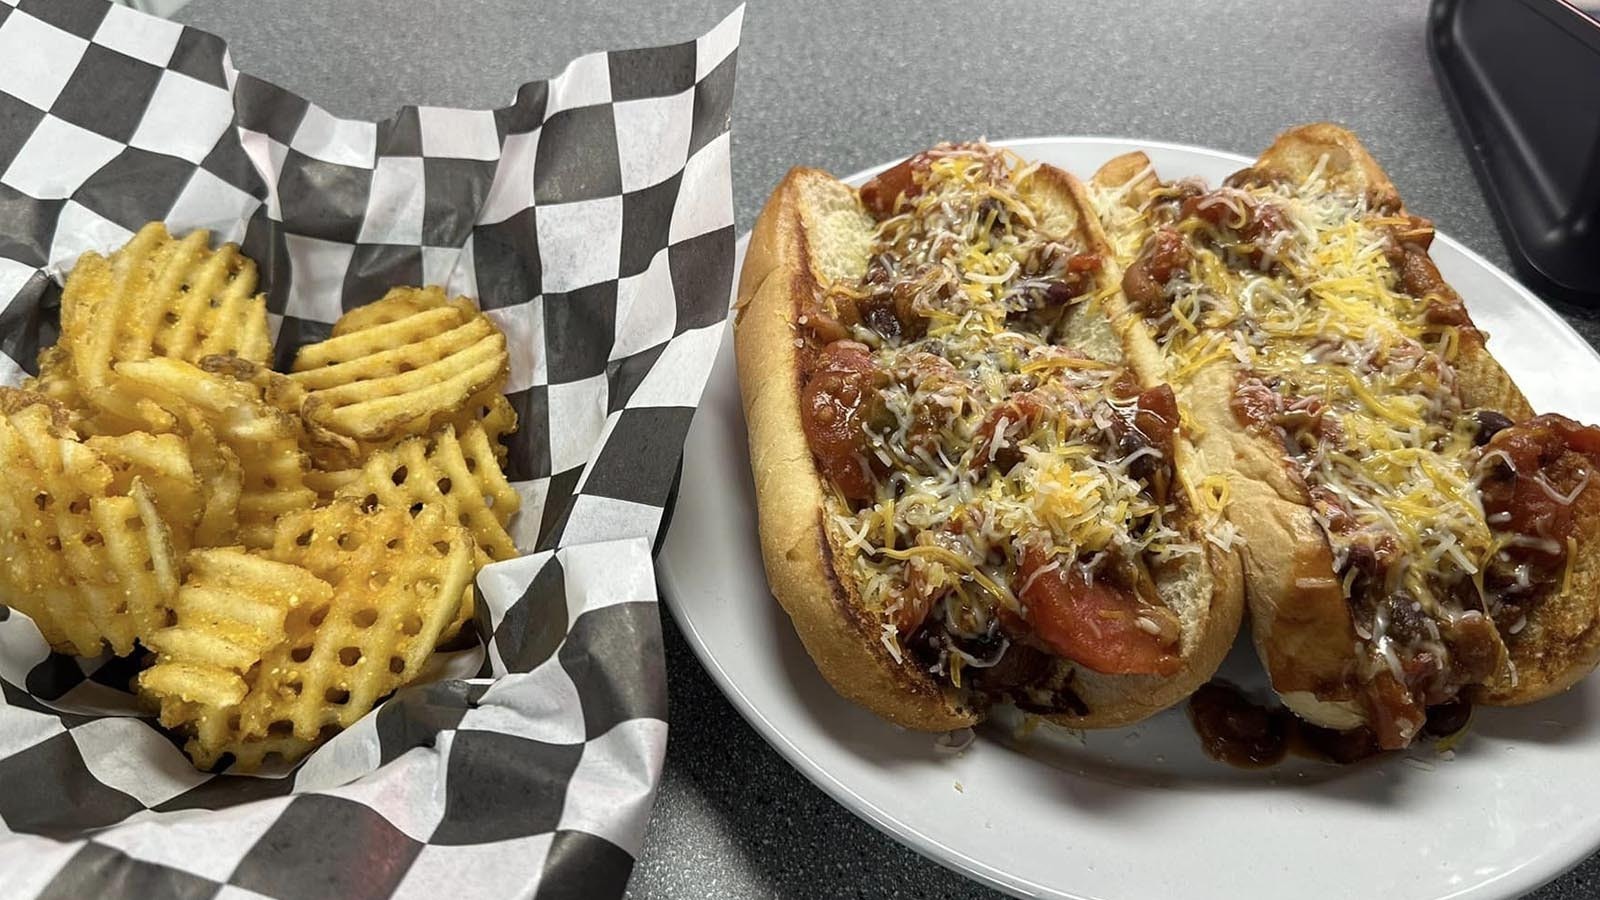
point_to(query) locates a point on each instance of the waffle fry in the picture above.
(327, 484)
(397, 304)
(264, 440)
(290, 548)
(163, 463)
(55, 378)
(334, 454)
(404, 377)
(397, 581)
(460, 475)
(326, 449)
(266, 658)
(157, 297)
(57, 381)
(277, 391)
(488, 406)
(90, 566)
(222, 483)
(232, 610)
(492, 412)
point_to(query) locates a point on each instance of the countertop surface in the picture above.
(841, 86)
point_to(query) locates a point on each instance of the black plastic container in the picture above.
(1522, 78)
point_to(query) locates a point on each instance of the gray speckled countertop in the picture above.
(844, 85)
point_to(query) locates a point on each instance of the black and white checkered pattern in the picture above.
(593, 219)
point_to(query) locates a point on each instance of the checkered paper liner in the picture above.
(592, 218)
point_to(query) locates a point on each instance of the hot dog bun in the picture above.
(814, 232)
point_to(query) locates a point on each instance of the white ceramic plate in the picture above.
(1141, 812)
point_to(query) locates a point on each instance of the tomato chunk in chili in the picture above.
(836, 405)
(1093, 623)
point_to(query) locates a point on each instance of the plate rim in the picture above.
(1514, 881)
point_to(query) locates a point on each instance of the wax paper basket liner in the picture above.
(593, 219)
